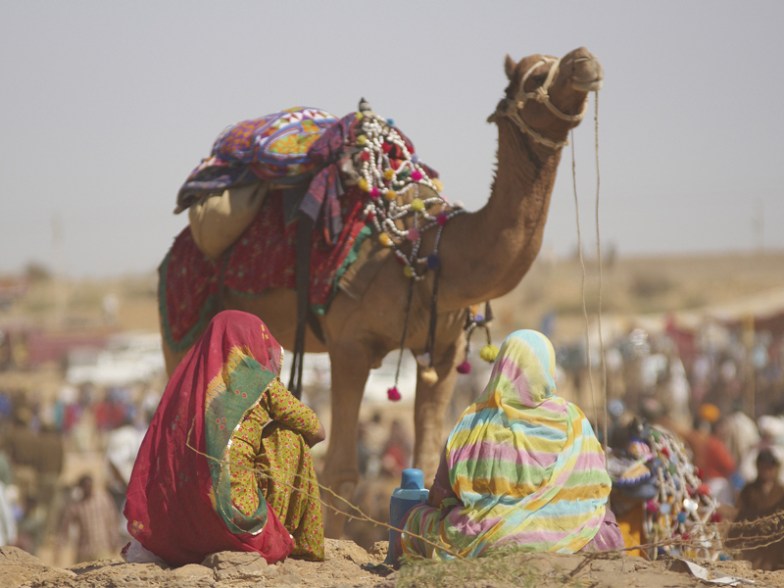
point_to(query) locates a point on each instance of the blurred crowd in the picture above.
(64, 466)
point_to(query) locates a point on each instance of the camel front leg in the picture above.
(432, 399)
(350, 366)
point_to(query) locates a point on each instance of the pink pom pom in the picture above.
(464, 368)
(416, 175)
(442, 218)
(393, 394)
(374, 193)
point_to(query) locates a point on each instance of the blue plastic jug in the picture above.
(411, 492)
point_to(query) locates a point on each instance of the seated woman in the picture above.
(225, 464)
(522, 466)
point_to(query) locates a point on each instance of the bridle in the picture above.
(512, 108)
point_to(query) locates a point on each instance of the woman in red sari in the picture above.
(225, 464)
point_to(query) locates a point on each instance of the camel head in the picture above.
(547, 96)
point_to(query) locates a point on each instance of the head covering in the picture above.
(767, 456)
(772, 428)
(709, 413)
(178, 500)
(524, 462)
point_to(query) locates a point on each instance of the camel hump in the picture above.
(273, 148)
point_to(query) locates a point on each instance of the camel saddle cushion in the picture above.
(272, 147)
(192, 284)
(217, 220)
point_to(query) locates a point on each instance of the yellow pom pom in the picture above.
(362, 140)
(417, 204)
(390, 194)
(385, 240)
(363, 185)
(359, 115)
(438, 185)
(389, 174)
(489, 353)
(428, 375)
(408, 271)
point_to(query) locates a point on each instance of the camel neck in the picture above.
(486, 253)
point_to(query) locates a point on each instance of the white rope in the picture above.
(514, 114)
(599, 262)
(542, 93)
(582, 285)
(514, 108)
(603, 421)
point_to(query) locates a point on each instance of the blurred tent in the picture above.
(126, 358)
(712, 325)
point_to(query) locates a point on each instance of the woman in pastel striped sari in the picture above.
(522, 466)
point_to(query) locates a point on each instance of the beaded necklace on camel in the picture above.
(400, 215)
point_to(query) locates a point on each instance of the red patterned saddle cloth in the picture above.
(263, 257)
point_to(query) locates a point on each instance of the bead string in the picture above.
(394, 195)
(395, 201)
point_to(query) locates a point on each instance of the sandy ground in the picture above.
(348, 565)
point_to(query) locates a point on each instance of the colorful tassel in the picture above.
(429, 376)
(489, 353)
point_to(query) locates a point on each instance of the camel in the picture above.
(484, 254)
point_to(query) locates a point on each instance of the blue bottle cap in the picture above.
(412, 479)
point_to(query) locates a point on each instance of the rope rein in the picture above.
(604, 420)
(582, 287)
(600, 285)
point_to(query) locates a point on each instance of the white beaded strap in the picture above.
(542, 93)
(514, 113)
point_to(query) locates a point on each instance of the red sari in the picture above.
(179, 503)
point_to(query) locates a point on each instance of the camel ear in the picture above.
(509, 66)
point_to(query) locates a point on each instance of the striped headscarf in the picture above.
(524, 462)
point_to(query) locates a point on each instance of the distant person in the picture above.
(8, 528)
(50, 461)
(771, 436)
(94, 519)
(711, 455)
(226, 464)
(122, 446)
(522, 466)
(763, 545)
(397, 451)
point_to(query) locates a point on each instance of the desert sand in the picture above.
(348, 564)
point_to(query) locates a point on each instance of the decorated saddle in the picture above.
(352, 178)
(655, 481)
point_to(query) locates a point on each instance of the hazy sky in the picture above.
(105, 107)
